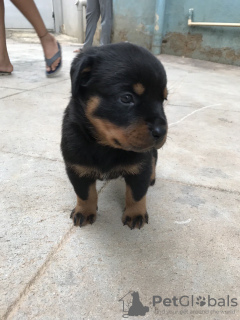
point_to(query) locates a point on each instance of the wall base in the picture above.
(190, 45)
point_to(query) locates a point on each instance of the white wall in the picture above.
(70, 18)
(15, 20)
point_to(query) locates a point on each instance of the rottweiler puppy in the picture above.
(113, 126)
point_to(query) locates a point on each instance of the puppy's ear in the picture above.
(81, 72)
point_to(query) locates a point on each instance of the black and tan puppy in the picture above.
(113, 126)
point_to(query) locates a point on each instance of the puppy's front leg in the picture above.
(135, 214)
(85, 211)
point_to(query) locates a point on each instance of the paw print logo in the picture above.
(201, 301)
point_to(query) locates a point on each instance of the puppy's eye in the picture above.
(127, 98)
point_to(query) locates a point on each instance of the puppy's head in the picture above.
(121, 88)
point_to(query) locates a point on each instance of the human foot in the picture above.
(50, 48)
(5, 64)
(78, 50)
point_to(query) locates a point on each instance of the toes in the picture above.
(72, 214)
(126, 220)
(140, 223)
(81, 220)
(91, 218)
(146, 218)
(54, 65)
(78, 219)
(136, 221)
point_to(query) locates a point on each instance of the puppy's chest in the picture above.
(113, 173)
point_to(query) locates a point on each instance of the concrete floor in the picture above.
(52, 270)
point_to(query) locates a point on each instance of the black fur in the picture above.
(109, 73)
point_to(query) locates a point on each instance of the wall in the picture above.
(14, 19)
(134, 21)
(219, 44)
(71, 22)
(70, 18)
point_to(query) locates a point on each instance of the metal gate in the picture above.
(15, 20)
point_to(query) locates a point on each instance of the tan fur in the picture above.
(138, 88)
(108, 132)
(133, 207)
(84, 171)
(88, 69)
(153, 175)
(165, 93)
(88, 206)
(136, 136)
(92, 105)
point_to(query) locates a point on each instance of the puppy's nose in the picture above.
(158, 131)
(157, 127)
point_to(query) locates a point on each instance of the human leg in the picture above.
(49, 43)
(5, 64)
(92, 16)
(106, 21)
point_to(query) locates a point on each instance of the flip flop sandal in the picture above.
(5, 73)
(50, 61)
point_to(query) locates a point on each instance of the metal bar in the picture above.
(80, 4)
(211, 24)
(158, 26)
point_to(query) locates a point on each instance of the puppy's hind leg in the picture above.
(85, 211)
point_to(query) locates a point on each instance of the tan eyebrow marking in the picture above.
(88, 69)
(138, 88)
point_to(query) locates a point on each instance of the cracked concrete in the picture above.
(52, 270)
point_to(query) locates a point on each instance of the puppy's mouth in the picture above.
(141, 148)
(161, 142)
(132, 142)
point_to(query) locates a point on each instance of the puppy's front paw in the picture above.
(134, 220)
(82, 219)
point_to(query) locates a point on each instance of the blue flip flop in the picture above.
(50, 61)
(5, 73)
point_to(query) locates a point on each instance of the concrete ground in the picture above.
(186, 260)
